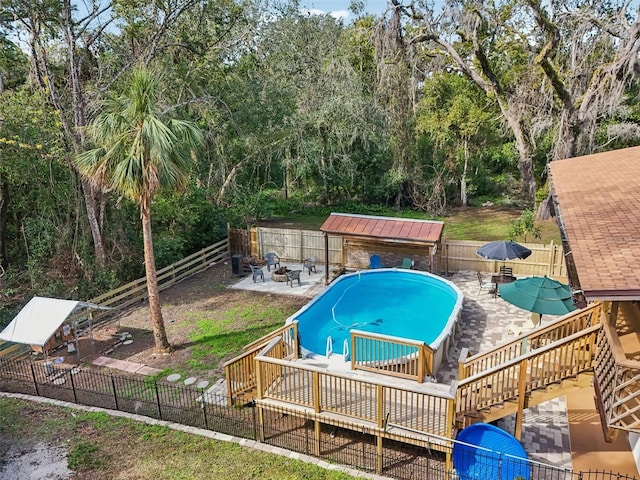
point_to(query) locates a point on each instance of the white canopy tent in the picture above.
(40, 319)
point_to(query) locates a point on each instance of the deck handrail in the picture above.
(414, 364)
(534, 369)
(312, 368)
(275, 333)
(570, 323)
(240, 371)
(531, 353)
(616, 402)
(425, 409)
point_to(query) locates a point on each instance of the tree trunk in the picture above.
(94, 201)
(523, 145)
(463, 179)
(487, 80)
(93, 208)
(4, 201)
(157, 322)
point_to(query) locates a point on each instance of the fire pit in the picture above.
(280, 275)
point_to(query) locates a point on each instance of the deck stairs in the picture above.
(530, 369)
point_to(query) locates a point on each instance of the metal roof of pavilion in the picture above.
(597, 198)
(385, 228)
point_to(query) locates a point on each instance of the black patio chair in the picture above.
(256, 272)
(310, 264)
(272, 259)
(293, 275)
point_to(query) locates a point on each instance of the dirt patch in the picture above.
(196, 302)
(35, 460)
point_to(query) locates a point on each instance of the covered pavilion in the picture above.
(46, 323)
(390, 238)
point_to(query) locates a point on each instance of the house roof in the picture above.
(597, 199)
(398, 229)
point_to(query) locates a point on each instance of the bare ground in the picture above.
(201, 301)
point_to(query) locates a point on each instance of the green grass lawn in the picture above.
(94, 443)
(493, 224)
(473, 223)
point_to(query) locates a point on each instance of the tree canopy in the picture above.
(430, 106)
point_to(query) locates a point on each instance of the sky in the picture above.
(340, 8)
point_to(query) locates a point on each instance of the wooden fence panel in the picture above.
(136, 291)
(239, 242)
(544, 259)
(294, 245)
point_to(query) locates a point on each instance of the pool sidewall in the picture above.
(441, 343)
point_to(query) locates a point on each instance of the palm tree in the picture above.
(139, 153)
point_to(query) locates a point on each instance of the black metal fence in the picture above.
(343, 443)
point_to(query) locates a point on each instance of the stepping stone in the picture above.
(127, 342)
(174, 377)
(203, 384)
(150, 371)
(190, 381)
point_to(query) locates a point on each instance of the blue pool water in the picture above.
(401, 303)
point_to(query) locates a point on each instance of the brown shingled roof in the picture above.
(599, 205)
(404, 229)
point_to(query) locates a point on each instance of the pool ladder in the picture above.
(345, 348)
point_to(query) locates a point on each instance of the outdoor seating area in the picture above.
(291, 281)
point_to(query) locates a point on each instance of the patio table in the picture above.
(497, 279)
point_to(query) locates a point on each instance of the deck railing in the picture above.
(289, 334)
(616, 384)
(546, 365)
(241, 370)
(389, 355)
(384, 405)
(568, 325)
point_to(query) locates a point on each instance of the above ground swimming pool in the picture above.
(401, 303)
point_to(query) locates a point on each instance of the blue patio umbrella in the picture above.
(542, 295)
(503, 250)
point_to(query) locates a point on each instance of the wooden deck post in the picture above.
(422, 360)
(227, 373)
(316, 392)
(260, 424)
(380, 405)
(464, 353)
(259, 379)
(522, 378)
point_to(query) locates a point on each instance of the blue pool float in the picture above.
(484, 451)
